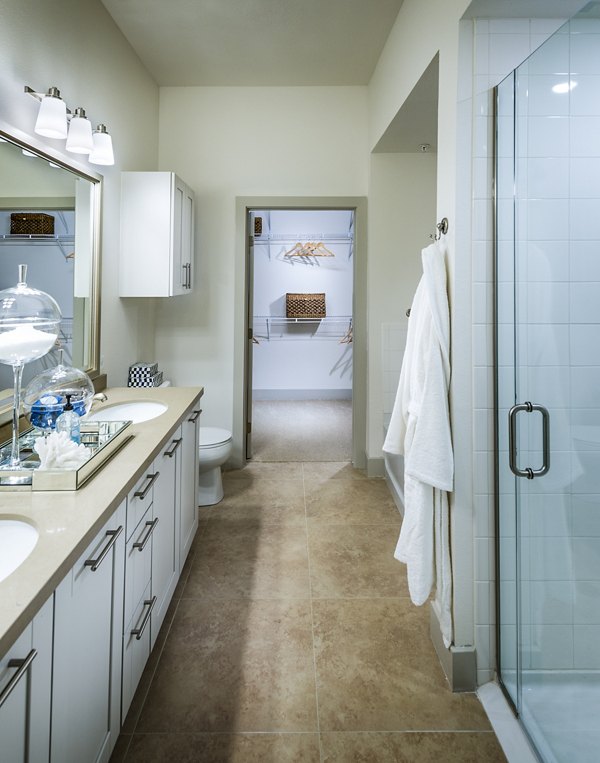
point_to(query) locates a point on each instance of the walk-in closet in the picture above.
(301, 311)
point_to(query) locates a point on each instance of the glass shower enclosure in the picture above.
(548, 391)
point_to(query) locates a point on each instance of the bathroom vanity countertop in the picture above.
(67, 521)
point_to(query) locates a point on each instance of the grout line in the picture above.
(312, 620)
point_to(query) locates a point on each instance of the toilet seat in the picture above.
(212, 437)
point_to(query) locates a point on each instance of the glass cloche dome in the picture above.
(29, 322)
(29, 325)
(45, 396)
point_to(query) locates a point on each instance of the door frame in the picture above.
(246, 204)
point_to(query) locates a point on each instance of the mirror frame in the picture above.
(23, 140)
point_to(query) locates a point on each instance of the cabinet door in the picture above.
(187, 237)
(165, 539)
(25, 686)
(178, 264)
(87, 650)
(188, 481)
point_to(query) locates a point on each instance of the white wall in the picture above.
(75, 45)
(402, 193)
(228, 142)
(302, 360)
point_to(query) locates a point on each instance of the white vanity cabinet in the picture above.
(88, 612)
(165, 542)
(157, 235)
(25, 687)
(188, 494)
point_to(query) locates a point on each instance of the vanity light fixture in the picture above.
(55, 120)
(102, 153)
(79, 140)
(52, 117)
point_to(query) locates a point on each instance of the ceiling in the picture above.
(256, 42)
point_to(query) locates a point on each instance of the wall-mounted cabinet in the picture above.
(157, 235)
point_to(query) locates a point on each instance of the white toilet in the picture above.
(214, 449)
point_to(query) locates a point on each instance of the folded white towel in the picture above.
(58, 451)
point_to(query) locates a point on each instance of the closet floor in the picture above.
(291, 637)
(302, 430)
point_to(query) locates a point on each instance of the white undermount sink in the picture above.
(17, 541)
(136, 411)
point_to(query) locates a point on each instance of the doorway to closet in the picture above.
(300, 318)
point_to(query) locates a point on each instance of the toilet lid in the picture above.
(213, 436)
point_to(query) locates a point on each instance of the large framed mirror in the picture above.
(50, 221)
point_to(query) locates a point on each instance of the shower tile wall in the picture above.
(499, 47)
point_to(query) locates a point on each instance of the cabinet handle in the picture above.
(143, 493)
(23, 667)
(141, 544)
(138, 632)
(189, 269)
(113, 535)
(184, 268)
(175, 445)
(194, 417)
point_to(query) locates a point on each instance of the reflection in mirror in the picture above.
(48, 221)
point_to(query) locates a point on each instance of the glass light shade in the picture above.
(102, 153)
(79, 140)
(52, 118)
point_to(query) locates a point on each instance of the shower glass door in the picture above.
(548, 391)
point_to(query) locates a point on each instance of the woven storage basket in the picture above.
(305, 305)
(31, 223)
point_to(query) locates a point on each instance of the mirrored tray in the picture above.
(103, 438)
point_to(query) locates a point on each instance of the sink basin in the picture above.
(136, 411)
(17, 541)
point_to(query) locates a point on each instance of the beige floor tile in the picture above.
(268, 501)
(332, 470)
(348, 561)
(234, 666)
(342, 502)
(377, 671)
(288, 470)
(224, 748)
(239, 560)
(463, 747)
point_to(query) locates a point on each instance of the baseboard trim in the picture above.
(458, 662)
(375, 467)
(301, 394)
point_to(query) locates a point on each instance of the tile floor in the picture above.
(291, 637)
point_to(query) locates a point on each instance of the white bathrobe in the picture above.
(420, 431)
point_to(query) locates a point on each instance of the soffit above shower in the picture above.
(524, 9)
(416, 122)
(256, 42)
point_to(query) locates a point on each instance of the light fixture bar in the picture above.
(77, 128)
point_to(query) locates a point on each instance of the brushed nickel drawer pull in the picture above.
(144, 492)
(175, 445)
(23, 667)
(141, 544)
(139, 632)
(113, 535)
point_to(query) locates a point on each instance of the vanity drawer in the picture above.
(138, 563)
(139, 499)
(136, 649)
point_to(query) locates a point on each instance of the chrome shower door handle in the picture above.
(528, 472)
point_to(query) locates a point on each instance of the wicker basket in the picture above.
(305, 305)
(31, 224)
